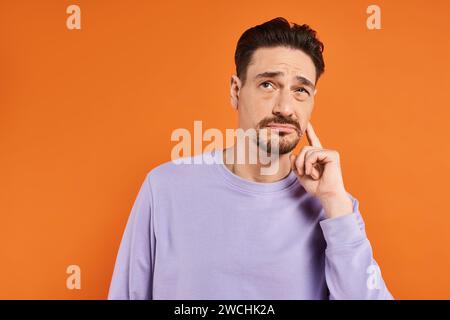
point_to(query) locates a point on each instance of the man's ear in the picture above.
(235, 87)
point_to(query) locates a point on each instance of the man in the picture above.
(227, 231)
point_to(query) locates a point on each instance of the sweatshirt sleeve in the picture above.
(133, 271)
(351, 272)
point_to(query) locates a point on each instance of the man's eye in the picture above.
(304, 90)
(265, 83)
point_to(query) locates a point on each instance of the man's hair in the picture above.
(274, 33)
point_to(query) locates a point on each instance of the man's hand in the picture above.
(319, 172)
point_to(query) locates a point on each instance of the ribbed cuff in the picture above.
(342, 230)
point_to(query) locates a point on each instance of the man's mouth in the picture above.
(283, 127)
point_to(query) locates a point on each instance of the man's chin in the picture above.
(283, 148)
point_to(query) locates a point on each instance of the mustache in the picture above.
(280, 120)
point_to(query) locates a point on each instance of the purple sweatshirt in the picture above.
(198, 231)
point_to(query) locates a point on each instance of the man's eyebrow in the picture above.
(269, 74)
(306, 82)
(274, 74)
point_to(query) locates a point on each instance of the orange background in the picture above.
(85, 114)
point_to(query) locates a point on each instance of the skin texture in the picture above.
(284, 99)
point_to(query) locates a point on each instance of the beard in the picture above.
(287, 141)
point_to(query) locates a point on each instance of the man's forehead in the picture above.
(287, 62)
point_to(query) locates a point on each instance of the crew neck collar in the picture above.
(251, 186)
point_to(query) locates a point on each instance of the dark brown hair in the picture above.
(274, 33)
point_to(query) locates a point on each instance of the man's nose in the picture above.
(284, 105)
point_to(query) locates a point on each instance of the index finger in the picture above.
(313, 139)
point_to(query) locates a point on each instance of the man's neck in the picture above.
(253, 171)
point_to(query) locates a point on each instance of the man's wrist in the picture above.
(337, 205)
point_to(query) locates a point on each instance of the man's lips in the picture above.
(282, 127)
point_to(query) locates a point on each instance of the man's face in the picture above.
(279, 89)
